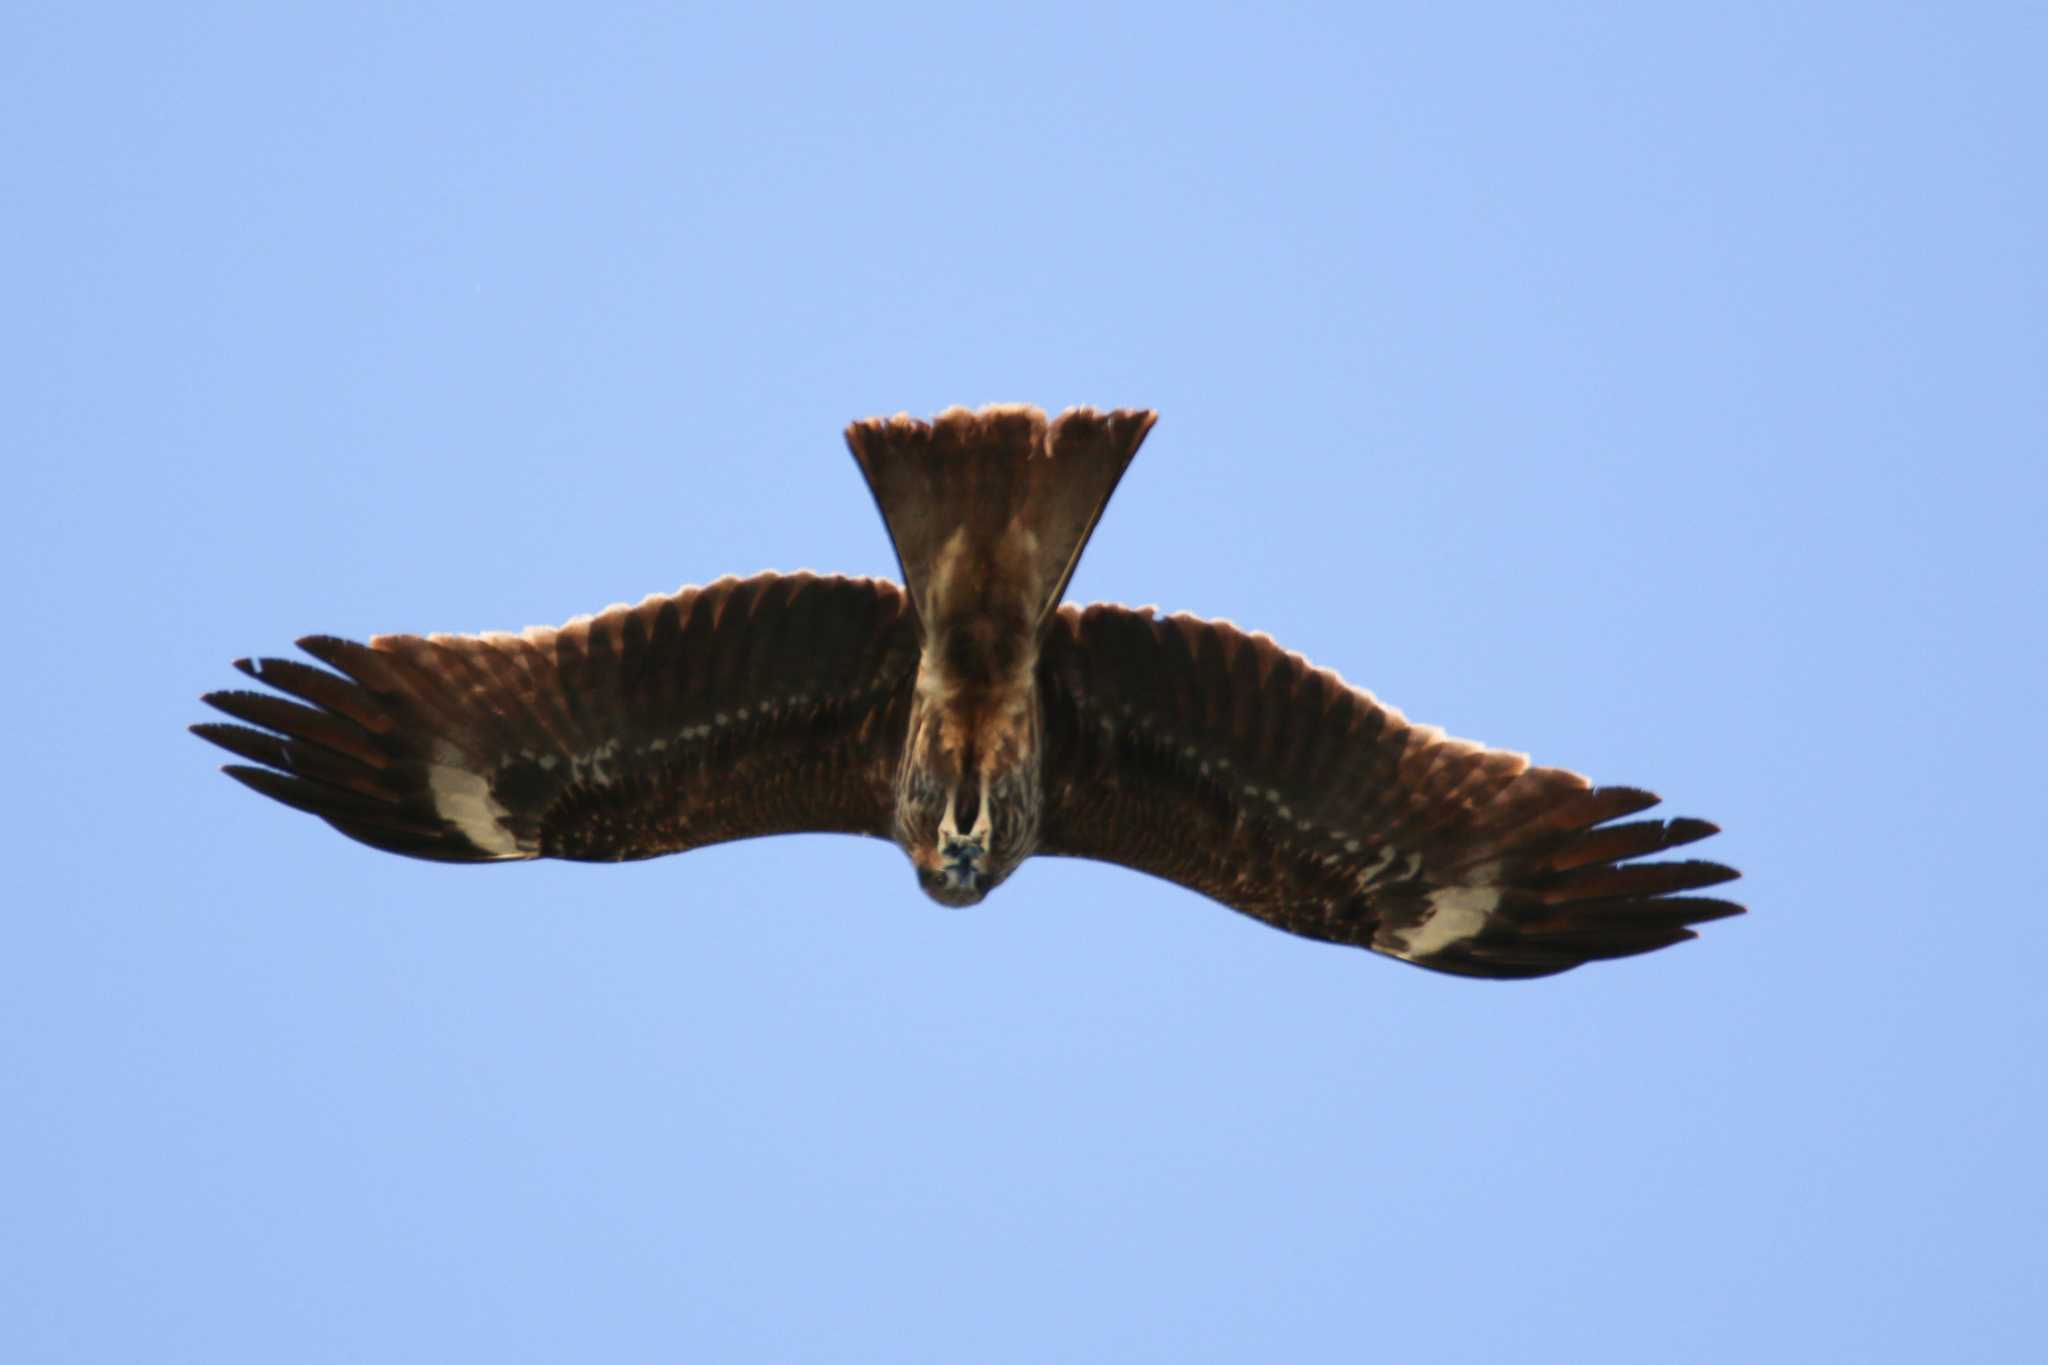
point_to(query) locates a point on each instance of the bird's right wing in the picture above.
(769, 705)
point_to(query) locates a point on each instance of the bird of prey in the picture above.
(973, 719)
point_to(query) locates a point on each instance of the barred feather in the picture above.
(747, 707)
(1213, 758)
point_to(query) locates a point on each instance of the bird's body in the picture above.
(989, 513)
(974, 720)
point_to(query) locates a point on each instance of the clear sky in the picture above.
(1660, 393)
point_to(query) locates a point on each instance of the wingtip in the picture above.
(1707, 909)
(258, 779)
(1615, 802)
(1715, 874)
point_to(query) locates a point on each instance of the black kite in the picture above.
(974, 720)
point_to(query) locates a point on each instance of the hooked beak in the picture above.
(956, 876)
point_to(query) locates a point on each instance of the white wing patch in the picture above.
(1456, 913)
(464, 800)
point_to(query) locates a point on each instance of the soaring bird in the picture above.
(975, 720)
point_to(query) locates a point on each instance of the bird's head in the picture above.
(957, 874)
(964, 840)
(953, 863)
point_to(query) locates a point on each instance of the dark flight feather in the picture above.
(1311, 806)
(756, 706)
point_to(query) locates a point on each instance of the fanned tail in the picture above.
(989, 511)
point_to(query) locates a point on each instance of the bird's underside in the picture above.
(975, 721)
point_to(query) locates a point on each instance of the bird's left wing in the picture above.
(1193, 751)
(769, 705)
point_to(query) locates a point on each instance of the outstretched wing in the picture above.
(1193, 751)
(768, 705)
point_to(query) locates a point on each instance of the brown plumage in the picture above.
(975, 721)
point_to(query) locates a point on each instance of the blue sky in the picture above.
(1658, 393)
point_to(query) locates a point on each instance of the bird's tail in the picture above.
(989, 510)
